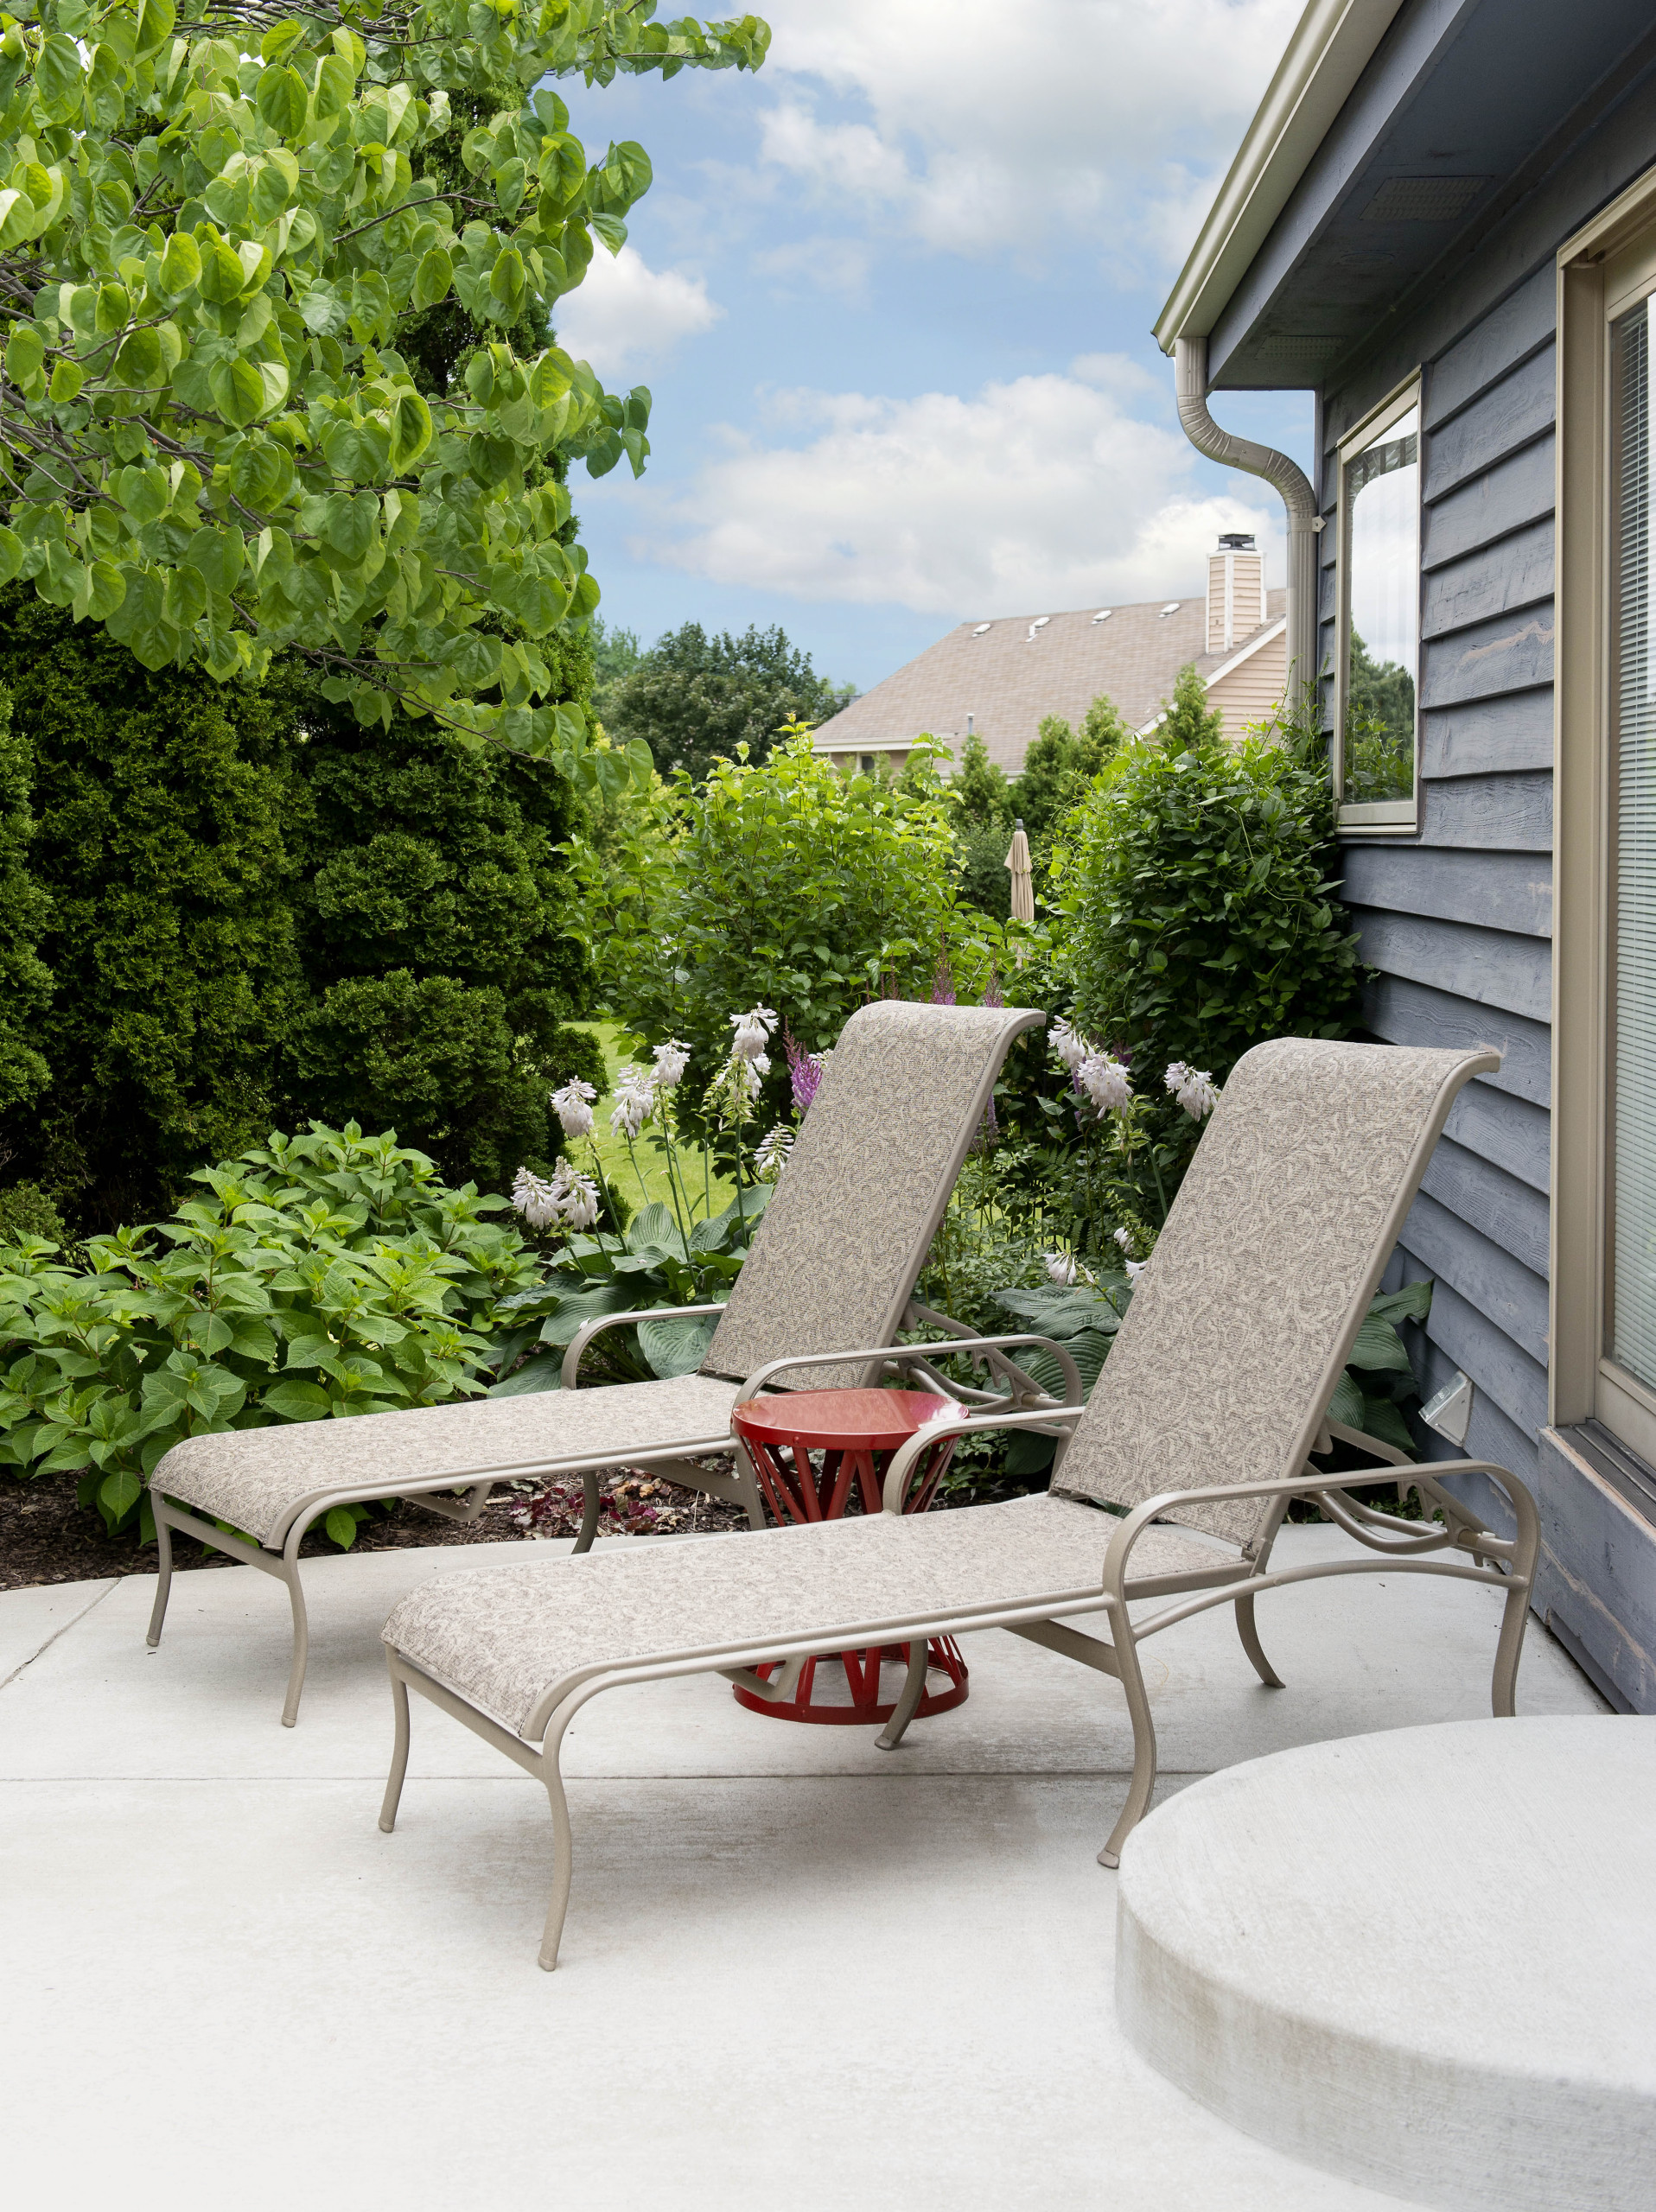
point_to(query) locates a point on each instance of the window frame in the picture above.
(1385, 818)
(1603, 271)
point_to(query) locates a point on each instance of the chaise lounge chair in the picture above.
(833, 1263)
(1197, 1436)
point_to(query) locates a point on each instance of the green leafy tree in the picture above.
(1379, 748)
(25, 981)
(615, 653)
(792, 886)
(980, 785)
(161, 809)
(215, 237)
(1186, 720)
(693, 699)
(1059, 764)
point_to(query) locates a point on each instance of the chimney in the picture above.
(1236, 591)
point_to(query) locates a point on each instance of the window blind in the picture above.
(1633, 1271)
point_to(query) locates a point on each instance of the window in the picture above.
(1630, 1318)
(1602, 1370)
(1376, 714)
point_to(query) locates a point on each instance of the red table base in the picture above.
(857, 1432)
(863, 1678)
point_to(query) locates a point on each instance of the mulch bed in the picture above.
(46, 1536)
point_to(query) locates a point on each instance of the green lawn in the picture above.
(642, 1177)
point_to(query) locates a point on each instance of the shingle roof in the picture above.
(1008, 674)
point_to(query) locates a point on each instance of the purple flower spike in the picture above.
(804, 1069)
(943, 983)
(993, 995)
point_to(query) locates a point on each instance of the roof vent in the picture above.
(1036, 627)
(983, 629)
(1172, 607)
(1104, 614)
(1423, 199)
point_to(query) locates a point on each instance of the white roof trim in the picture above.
(1243, 652)
(1331, 47)
(872, 744)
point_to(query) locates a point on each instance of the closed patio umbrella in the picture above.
(1022, 881)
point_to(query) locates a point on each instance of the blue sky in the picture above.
(893, 297)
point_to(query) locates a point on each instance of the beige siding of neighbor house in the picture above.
(1250, 690)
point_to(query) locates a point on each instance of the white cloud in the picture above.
(989, 127)
(1040, 492)
(811, 266)
(627, 316)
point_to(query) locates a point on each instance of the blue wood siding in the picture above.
(1457, 919)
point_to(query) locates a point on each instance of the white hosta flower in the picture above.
(1068, 1045)
(573, 1107)
(635, 1103)
(753, 1033)
(671, 1061)
(1061, 1268)
(1195, 1089)
(1135, 1268)
(535, 1198)
(1124, 1238)
(1106, 1082)
(771, 1153)
(750, 1074)
(577, 1195)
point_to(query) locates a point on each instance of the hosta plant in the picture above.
(317, 1277)
(657, 1262)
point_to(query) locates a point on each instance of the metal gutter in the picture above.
(1332, 45)
(1304, 522)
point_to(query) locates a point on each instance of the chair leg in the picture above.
(748, 1482)
(399, 1746)
(289, 1572)
(914, 1689)
(1138, 1706)
(164, 1583)
(1515, 1614)
(1248, 1632)
(588, 1512)
(563, 1847)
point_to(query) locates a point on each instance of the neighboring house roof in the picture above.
(1008, 674)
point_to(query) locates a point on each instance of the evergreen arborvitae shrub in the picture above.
(25, 981)
(159, 803)
(430, 905)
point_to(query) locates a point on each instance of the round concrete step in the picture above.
(1425, 1960)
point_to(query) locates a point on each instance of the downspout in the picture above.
(1190, 372)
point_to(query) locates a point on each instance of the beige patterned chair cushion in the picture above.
(259, 1478)
(506, 1638)
(1241, 1323)
(834, 1260)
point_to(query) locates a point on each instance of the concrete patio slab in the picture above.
(799, 1973)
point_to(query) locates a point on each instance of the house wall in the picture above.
(1457, 919)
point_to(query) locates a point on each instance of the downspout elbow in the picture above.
(1190, 373)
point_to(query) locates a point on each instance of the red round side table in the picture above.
(858, 1432)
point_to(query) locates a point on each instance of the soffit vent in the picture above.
(1423, 199)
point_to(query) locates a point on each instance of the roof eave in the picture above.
(1332, 45)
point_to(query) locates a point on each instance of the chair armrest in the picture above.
(584, 1335)
(933, 1432)
(761, 1377)
(1153, 1509)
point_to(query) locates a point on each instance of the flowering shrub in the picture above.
(789, 887)
(316, 1276)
